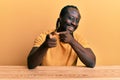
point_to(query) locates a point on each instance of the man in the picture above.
(61, 47)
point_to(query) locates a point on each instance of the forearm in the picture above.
(36, 57)
(85, 54)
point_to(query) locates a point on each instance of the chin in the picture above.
(71, 32)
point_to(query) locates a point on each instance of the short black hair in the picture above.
(65, 10)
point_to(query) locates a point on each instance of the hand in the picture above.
(51, 40)
(65, 36)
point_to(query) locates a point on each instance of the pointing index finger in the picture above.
(64, 32)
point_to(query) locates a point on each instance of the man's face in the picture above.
(70, 21)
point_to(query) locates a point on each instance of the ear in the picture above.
(59, 19)
(58, 23)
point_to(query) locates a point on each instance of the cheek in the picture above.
(68, 21)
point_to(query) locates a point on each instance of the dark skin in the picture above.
(68, 24)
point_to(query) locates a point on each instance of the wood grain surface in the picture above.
(60, 73)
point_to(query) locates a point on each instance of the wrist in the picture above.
(71, 42)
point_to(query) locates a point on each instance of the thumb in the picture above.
(52, 35)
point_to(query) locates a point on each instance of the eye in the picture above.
(71, 18)
(77, 20)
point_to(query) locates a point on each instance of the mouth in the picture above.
(70, 29)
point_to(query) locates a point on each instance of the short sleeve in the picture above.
(39, 40)
(82, 41)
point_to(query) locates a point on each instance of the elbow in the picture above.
(30, 65)
(92, 63)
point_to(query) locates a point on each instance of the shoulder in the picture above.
(41, 37)
(43, 34)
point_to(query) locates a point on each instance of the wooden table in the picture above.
(60, 73)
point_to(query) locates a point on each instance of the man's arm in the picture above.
(37, 53)
(36, 56)
(85, 54)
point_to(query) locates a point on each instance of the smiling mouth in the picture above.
(70, 29)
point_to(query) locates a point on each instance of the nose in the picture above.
(74, 23)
